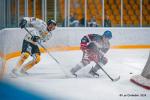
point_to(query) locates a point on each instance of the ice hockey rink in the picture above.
(48, 78)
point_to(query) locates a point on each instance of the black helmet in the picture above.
(51, 22)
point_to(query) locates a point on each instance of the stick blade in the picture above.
(116, 79)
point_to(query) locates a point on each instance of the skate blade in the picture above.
(71, 76)
(92, 76)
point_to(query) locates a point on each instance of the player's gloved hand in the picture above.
(35, 38)
(23, 23)
(92, 46)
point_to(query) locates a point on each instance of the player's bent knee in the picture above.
(25, 55)
(85, 62)
(37, 59)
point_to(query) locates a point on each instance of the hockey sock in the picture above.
(30, 64)
(96, 68)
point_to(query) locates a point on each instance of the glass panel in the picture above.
(94, 13)
(99, 14)
(146, 13)
(50, 9)
(61, 13)
(131, 13)
(76, 12)
(112, 13)
(81, 14)
(30, 8)
(2, 14)
(38, 13)
(12, 17)
(22, 8)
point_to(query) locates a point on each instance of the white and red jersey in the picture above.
(100, 42)
(39, 29)
(94, 47)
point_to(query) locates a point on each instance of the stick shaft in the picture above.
(105, 72)
(43, 47)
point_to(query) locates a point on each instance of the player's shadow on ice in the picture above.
(58, 76)
(46, 75)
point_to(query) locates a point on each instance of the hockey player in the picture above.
(41, 32)
(94, 47)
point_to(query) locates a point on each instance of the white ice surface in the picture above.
(48, 78)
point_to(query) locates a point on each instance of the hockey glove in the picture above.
(23, 23)
(35, 38)
(91, 46)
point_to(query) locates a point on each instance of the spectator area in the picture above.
(131, 11)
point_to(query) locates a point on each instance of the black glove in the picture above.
(23, 23)
(35, 38)
(92, 47)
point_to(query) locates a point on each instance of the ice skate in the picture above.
(14, 73)
(23, 73)
(93, 73)
(73, 73)
(75, 69)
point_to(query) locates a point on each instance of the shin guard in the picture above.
(36, 59)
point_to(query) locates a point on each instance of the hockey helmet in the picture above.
(51, 22)
(108, 34)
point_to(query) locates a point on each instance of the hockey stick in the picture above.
(43, 47)
(116, 79)
(49, 53)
